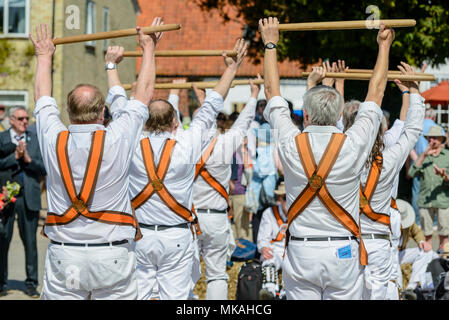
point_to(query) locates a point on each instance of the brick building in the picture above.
(205, 30)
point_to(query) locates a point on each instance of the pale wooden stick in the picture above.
(335, 75)
(389, 72)
(184, 53)
(346, 25)
(115, 34)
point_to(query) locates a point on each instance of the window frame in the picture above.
(93, 43)
(12, 104)
(6, 33)
(106, 26)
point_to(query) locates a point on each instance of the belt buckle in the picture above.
(316, 182)
(79, 205)
(157, 184)
(363, 201)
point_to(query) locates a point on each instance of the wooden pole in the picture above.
(431, 76)
(346, 25)
(335, 75)
(115, 34)
(183, 53)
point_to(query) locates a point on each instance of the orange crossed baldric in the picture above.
(80, 201)
(367, 193)
(281, 234)
(316, 185)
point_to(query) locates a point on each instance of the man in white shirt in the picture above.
(90, 221)
(161, 186)
(271, 243)
(211, 198)
(322, 259)
(375, 199)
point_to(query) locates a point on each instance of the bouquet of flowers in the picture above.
(8, 194)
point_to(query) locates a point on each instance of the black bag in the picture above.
(265, 200)
(249, 281)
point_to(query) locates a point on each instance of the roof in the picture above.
(199, 30)
(438, 94)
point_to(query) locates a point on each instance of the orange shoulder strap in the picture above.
(280, 222)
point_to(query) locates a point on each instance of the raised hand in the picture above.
(200, 94)
(269, 29)
(176, 91)
(234, 62)
(385, 36)
(149, 41)
(114, 54)
(316, 76)
(441, 172)
(406, 69)
(43, 44)
(255, 88)
(327, 68)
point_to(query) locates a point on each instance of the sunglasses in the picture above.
(23, 118)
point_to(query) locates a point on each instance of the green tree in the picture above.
(427, 41)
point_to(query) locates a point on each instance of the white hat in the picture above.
(280, 191)
(407, 213)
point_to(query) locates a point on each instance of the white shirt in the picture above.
(393, 160)
(219, 163)
(390, 138)
(252, 141)
(179, 178)
(14, 136)
(111, 190)
(269, 229)
(174, 101)
(344, 179)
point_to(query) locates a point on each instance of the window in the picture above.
(14, 18)
(91, 26)
(105, 26)
(14, 99)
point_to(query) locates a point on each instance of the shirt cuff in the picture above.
(276, 101)
(370, 106)
(416, 98)
(215, 99)
(398, 123)
(139, 107)
(43, 102)
(115, 91)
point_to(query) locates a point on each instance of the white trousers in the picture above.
(312, 270)
(379, 270)
(213, 244)
(84, 273)
(419, 260)
(395, 283)
(164, 263)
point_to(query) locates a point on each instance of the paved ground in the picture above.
(16, 263)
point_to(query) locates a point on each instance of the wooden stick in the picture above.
(115, 34)
(389, 72)
(183, 53)
(346, 25)
(335, 75)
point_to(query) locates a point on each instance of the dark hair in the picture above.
(233, 116)
(261, 104)
(222, 116)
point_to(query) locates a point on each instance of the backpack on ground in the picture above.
(249, 280)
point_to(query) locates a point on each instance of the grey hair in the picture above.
(323, 104)
(12, 110)
(430, 113)
(350, 112)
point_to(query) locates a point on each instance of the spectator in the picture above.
(222, 122)
(239, 180)
(429, 121)
(25, 166)
(433, 197)
(4, 124)
(419, 256)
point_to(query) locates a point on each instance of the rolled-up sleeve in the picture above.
(48, 122)
(117, 99)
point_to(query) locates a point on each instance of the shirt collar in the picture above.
(14, 134)
(162, 135)
(84, 128)
(322, 129)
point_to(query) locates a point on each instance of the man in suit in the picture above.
(24, 165)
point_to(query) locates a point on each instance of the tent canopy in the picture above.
(438, 94)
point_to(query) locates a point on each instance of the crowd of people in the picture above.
(137, 195)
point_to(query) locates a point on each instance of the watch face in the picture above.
(270, 45)
(110, 65)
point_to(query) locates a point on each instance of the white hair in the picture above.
(323, 104)
(430, 113)
(14, 109)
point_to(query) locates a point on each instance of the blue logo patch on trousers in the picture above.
(344, 252)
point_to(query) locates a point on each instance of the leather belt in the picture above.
(376, 236)
(113, 243)
(323, 238)
(210, 211)
(161, 227)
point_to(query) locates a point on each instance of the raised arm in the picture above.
(340, 83)
(147, 75)
(378, 82)
(315, 77)
(112, 58)
(173, 98)
(232, 65)
(44, 50)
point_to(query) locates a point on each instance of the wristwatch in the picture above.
(270, 45)
(111, 66)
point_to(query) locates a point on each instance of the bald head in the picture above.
(85, 104)
(162, 116)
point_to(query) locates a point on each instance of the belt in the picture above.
(114, 243)
(323, 238)
(210, 211)
(376, 236)
(161, 227)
